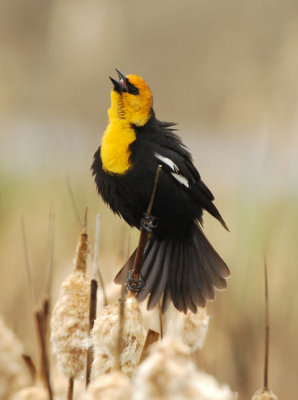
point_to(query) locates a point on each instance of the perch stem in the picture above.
(144, 234)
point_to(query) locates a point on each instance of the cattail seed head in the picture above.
(13, 374)
(191, 328)
(262, 394)
(70, 325)
(113, 386)
(105, 338)
(169, 373)
(31, 393)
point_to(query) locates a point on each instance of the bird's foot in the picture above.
(135, 285)
(148, 222)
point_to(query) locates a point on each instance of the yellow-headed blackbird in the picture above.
(179, 263)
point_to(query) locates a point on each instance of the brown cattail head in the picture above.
(264, 394)
(169, 373)
(14, 375)
(80, 260)
(105, 338)
(113, 386)
(70, 325)
(32, 393)
(191, 328)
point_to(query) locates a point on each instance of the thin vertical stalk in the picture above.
(144, 235)
(70, 389)
(266, 361)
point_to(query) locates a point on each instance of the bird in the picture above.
(179, 264)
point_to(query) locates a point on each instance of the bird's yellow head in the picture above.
(131, 100)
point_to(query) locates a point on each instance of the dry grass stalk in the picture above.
(191, 328)
(169, 373)
(14, 375)
(96, 270)
(265, 393)
(70, 317)
(73, 202)
(40, 319)
(93, 298)
(105, 338)
(44, 361)
(28, 264)
(31, 393)
(112, 386)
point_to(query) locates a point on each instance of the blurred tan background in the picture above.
(226, 71)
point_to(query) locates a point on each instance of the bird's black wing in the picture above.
(177, 161)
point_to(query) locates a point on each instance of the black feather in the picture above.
(162, 278)
(179, 262)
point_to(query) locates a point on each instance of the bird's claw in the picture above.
(135, 285)
(148, 222)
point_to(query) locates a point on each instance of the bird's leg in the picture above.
(135, 285)
(148, 222)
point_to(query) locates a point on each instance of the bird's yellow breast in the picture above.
(115, 152)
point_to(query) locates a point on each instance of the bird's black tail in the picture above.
(186, 272)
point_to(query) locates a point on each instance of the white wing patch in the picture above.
(180, 179)
(168, 162)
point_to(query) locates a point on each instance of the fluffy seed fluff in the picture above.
(13, 374)
(169, 373)
(262, 394)
(105, 338)
(191, 328)
(113, 386)
(70, 325)
(31, 393)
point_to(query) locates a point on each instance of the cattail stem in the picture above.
(144, 234)
(151, 338)
(93, 299)
(92, 316)
(160, 320)
(121, 329)
(70, 389)
(266, 362)
(44, 364)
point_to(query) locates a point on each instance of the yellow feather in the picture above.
(115, 147)
(126, 110)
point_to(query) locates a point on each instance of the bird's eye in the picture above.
(132, 89)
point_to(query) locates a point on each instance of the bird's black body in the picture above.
(179, 262)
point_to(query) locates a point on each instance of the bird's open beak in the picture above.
(120, 86)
